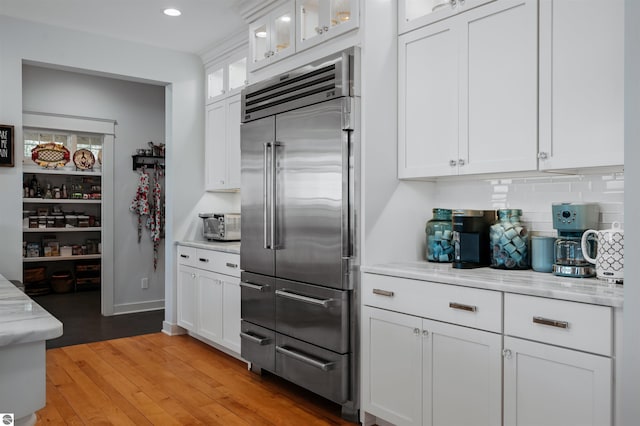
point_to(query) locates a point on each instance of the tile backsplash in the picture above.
(535, 195)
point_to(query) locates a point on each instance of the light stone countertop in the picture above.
(22, 320)
(223, 246)
(586, 290)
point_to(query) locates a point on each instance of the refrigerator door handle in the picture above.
(274, 189)
(346, 195)
(325, 303)
(265, 194)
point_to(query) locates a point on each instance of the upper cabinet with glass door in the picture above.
(271, 38)
(319, 20)
(413, 14)
(226, 78)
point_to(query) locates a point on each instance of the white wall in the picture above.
(184, 120)
(631, 341)
(140, 113)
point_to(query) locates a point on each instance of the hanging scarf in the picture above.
(154, 222)
(140, 204)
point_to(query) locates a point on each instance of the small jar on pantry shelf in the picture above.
(439, 234)
(509, 241)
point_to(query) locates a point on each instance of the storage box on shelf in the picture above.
(208, 290)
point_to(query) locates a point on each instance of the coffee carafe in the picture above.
(571, 220)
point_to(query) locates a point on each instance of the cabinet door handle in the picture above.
(184, 256)
(416, 331)
(543, 156)
(321, 364)
(383, 292)
(461, 162)
(202, 259)
(550, 322)
(193, 276)
(325, 28)
(453, 163)
(259, 287)
(232, 265)
(452, 3)
(462, 307)
(507, 353)
(255, 339)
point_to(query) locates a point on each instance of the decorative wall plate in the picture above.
(50, 154)
(100, 157)
(84, 159)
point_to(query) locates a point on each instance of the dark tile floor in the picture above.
(82, 322)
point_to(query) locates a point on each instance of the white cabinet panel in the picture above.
(209, 305)
(468, 93)
(186, 297)
(231, 312)
(222, 145)
(392, 366)
(546, 385)
(414, 14)
(581, 83)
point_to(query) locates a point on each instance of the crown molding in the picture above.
(250, 10)
(225, 47)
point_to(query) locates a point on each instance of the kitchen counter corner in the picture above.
(223, 246)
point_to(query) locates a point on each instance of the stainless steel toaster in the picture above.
(221, 226)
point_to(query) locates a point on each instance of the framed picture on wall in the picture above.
(6, 146)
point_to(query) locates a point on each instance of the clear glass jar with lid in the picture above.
(509, 241)
(439, 234)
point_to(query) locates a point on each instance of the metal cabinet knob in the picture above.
(325, 28)
(416, 331)
(453, 163)
(507, 353)
(266, 54)
(193, 276)
(461, 162)
(319, 30)
(543, 156)
(453, 3)
(425, 333)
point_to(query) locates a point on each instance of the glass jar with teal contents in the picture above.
(438, 229)
(509, 241)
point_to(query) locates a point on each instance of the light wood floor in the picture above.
(170, 380)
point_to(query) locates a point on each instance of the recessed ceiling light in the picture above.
(172, 12)
(261, 34)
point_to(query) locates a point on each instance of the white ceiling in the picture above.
(202, 24)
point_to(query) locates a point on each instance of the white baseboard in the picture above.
(130, 308)
(172, 329)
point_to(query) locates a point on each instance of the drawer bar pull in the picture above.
(232, 265)
(551, 322)
(324, 366)
(319, 302)
(462, 307)
(184, 256)
(259, 287)
(255, 339)
(202, 259)
(382, 292)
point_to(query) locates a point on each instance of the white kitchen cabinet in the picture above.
(319, 20)
(226, 78)
(272, 37)
(222, 145)
(187, 286)
(581, 84)
(423, 372)
(414, 14)
(468, 93)
(548, 385)
(208, 291)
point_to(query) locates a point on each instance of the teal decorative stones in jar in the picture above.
(438, 229)
(509, 241)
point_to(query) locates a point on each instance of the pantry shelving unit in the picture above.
(85, 187)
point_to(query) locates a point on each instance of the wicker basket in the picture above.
(62, 282)
(34, 275)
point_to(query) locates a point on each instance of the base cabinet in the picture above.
(548, 385)
(209, 301)
(424, 372)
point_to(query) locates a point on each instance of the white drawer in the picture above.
(559, 322)
(217, 261)
(466, 306)
(186, 255)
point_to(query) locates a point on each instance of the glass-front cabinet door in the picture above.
(319, 20)
(215, 82)
(272, 37)
(237, 70)
(413, 14)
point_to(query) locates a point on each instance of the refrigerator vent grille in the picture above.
(305, 86)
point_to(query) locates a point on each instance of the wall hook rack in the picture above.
(148, 161)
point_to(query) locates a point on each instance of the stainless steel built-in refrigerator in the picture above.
(298, 254)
